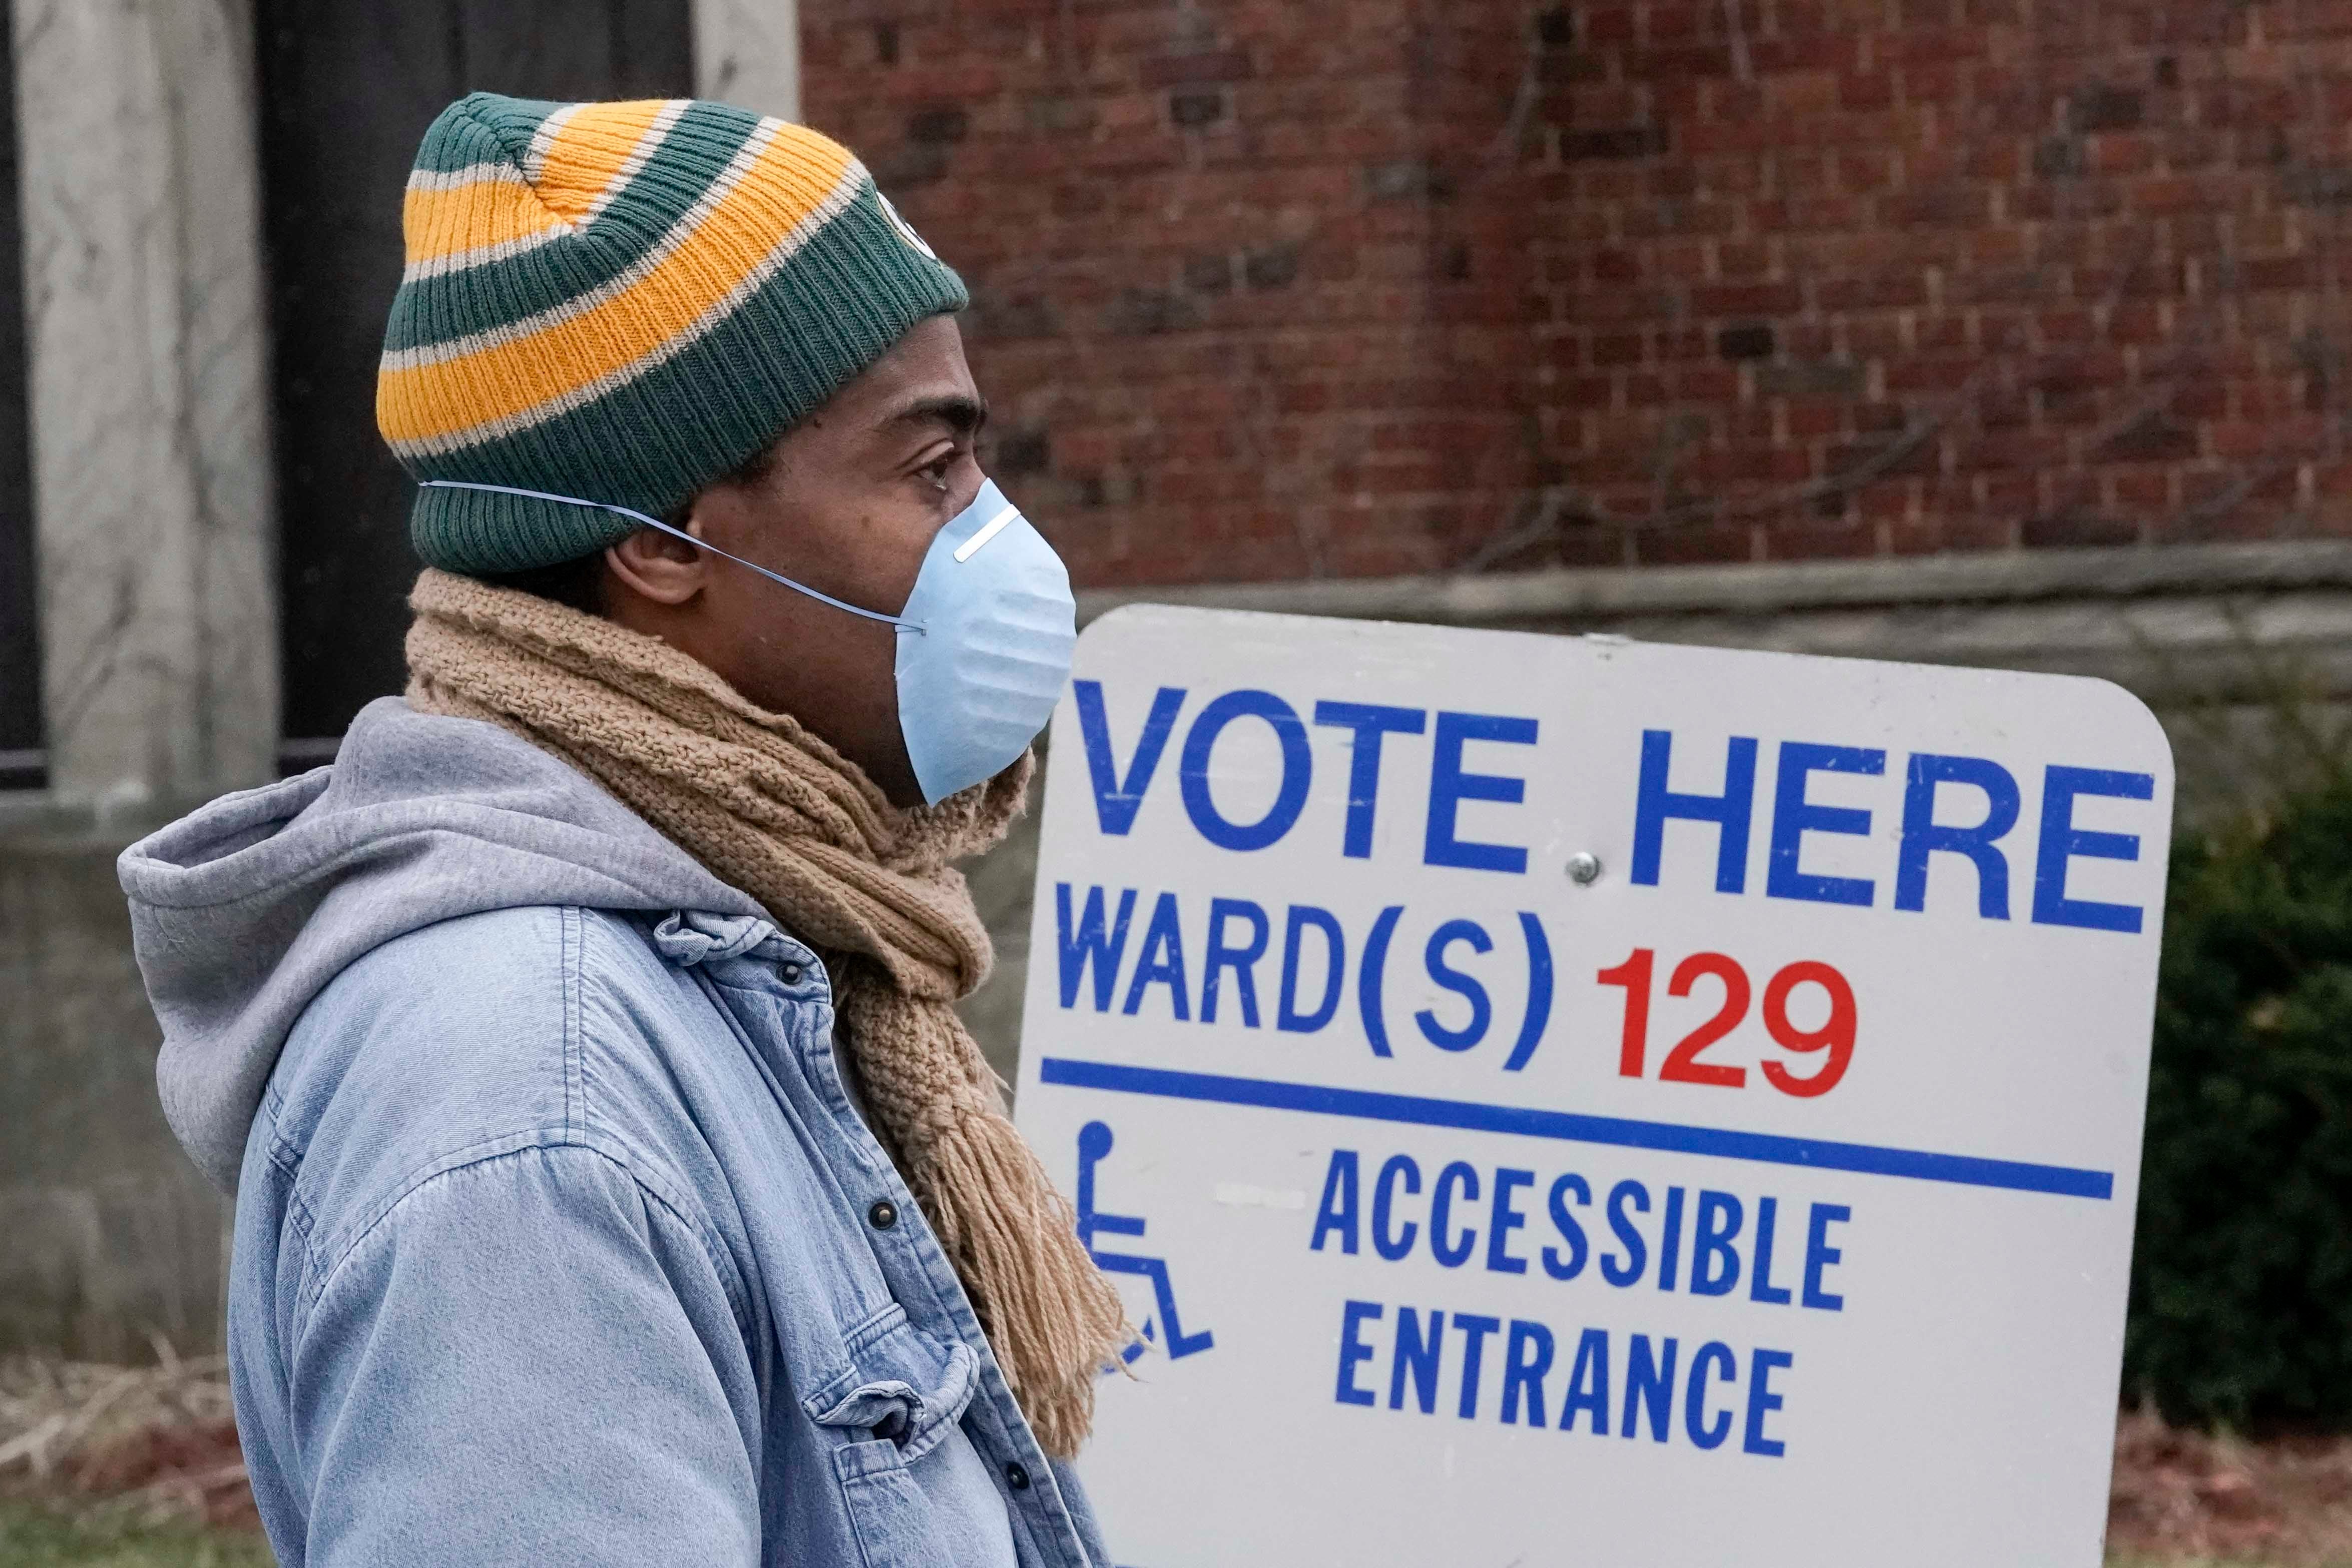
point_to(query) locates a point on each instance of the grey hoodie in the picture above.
(243, 911)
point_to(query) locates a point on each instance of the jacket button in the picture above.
(883, 1215)
(791, 974)
(1016, 1478)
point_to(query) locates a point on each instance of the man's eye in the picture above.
(937, 472)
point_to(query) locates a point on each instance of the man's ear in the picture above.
(660, 567)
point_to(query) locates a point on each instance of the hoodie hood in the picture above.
(243, 911)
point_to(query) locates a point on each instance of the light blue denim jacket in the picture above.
(558, 1238)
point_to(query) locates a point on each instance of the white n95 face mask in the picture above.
(984, 640)
(998, 624)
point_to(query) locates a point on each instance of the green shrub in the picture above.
(2241, 1276)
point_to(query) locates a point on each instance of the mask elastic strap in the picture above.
(903, 625)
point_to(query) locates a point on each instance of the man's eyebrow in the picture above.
(964, 415)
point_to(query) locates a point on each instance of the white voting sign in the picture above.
(1561, 1101)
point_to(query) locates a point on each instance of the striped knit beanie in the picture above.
(623, 302)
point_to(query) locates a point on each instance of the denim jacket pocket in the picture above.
(889, 1515)
(903, 1394)
(902, 1384)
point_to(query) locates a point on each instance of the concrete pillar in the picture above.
(747, 52)
(148, 357)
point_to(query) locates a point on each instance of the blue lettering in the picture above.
(1368, 975)
(1298, 771)
(1482, 1012)
(1924, 836)
(1793, 817)
(1302, 917)
(1587, 1383)
(1820, 1255)
(1090, 942)
(1656, 804)
(1116, 803)
(1649, 1386)
(2062, 840)
(1670, 1240)
(1352, 1317)
(1449, 1251)
(1394, 1247)
(1570, 1230)
(1760, 1285)
(1504, 1219)
(1762, 1401)
(1449, 786)
(1714, 1262)
(1418, 1356)
(1705, 1432)
(1241, 961)
(1708, 1384)
(1370, 722)
(1637, 1252)
(1162, 962)
(1336, 1213)
(1526, 1356)
(1475, 1330)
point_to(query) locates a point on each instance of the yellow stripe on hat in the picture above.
(488, 214)
(754, 216)
(479, 215)
(594, 150)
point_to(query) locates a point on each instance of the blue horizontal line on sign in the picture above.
(1414, 1109)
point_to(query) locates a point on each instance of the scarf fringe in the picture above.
(1054, 1323)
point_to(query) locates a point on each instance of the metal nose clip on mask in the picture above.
(984, 640)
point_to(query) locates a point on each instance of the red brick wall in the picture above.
(1269, 290)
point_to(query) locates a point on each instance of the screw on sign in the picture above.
(1756, 1190)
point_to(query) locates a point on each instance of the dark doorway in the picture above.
(348, 90)
(22, 758)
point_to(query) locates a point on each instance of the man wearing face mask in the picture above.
(614, 1181)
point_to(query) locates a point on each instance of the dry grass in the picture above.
(160, 1440)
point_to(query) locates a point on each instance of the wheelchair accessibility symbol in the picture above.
(1094, 1145)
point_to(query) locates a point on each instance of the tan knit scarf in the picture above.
(771, 810)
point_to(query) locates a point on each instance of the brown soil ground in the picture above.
(162, 1437)
(196, 1469)
(2186, 1496)
(2179, 1497)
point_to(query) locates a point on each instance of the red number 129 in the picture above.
(1683, 1064)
